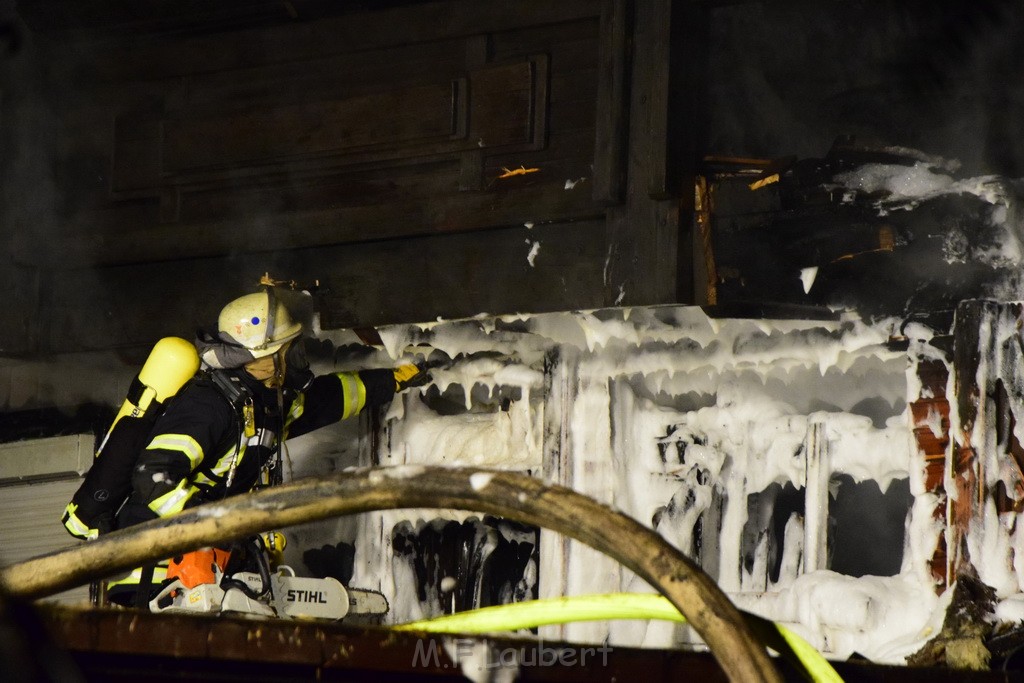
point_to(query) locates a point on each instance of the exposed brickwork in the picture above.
(930, 414)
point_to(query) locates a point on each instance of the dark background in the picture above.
(158, 157)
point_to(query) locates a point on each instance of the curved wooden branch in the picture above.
(506, 494)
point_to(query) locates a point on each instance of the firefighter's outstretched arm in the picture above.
(341, 395)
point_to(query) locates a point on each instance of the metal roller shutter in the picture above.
(37, 479)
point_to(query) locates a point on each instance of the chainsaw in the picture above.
(203, 582)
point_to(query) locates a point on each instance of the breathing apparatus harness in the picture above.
(274, 470)
(249, 553)
(222, 353)
(254, 549)
(239, 398)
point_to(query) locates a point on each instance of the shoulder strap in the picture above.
(239, 397)
(230, 387)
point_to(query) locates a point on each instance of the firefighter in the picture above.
(221, 434)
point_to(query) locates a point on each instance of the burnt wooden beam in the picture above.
(962, 471)
(705, 268)
(678, 96)
(612, 123)
(655, 29)
(650, 246)
(129, 645)
(643, 233)
(109, 645)
(687, 139)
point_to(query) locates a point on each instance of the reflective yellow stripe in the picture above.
(298, 407)
(203, 479)
(354, 394)
(221, 467)
(226, 460)
(135, 576)
(76, 526)
(294, 413)
(174, 500)
(179, 442)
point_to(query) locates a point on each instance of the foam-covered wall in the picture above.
(673, 417)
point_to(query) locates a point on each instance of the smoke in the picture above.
(29, 124)
(790, 79)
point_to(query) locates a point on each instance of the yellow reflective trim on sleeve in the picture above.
(179, 442)
(298, 407)
(353, 392)
(77, 527)
(204, 480)
(135, 576)
(220, 468)
(174, 500)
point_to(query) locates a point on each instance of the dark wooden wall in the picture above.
(157, 156)
(185, 154)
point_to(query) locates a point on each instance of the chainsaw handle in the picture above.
(154, 604)
(256, 547)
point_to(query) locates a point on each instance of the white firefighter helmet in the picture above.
(259, 322)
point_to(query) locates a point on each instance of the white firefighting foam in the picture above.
(903, 188)
(606, 401)
(669, 415)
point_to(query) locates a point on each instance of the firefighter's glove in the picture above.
(409, 376)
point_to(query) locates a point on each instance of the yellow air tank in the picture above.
(172, 362)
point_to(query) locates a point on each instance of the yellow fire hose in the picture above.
(797, 651)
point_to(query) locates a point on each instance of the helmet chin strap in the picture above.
(280, 367)
(277, 472)
(271, 317)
